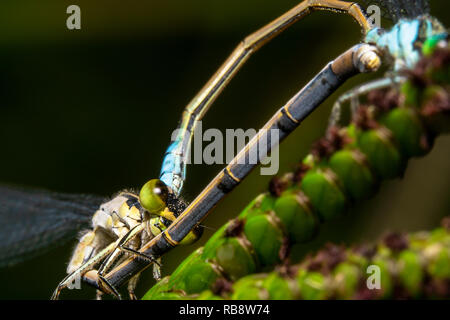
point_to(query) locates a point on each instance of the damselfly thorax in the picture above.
(401, 46)
(130, 234)
(113, 220)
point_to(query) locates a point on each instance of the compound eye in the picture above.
(153, 196)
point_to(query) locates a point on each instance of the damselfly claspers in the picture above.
(401, 46)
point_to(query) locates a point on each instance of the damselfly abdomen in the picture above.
(403, 45)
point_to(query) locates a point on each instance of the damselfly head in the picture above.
(394, 10)
(153, 196)
(102, 216)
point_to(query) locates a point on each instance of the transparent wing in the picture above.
(397, 9)
(35, 221)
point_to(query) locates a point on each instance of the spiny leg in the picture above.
(295, 110)
(131, 234)
(145, 237)
(157, 269)
(132, 283)
(78, 273)
(354, 94)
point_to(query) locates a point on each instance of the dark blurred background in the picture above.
(92, 110)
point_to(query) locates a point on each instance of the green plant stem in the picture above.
(344, 167)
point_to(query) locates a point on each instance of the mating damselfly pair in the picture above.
(126, 217)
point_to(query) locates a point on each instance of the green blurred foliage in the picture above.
(92, 110)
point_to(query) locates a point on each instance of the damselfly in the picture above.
(127, 217)
(402, 44)
(173, 172)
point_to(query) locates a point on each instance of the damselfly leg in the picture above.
(128, 245)
(174, 164)
(173, 170)
(400, 43)
(76, 276)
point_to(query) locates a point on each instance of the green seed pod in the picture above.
(422, 271)
(357, 259)
(434, 111)
(161, 291)
(352, 170)
(249, 288)
(210, 248)
(266, 237)
(309, 161)
(410, 272)
(259, 205)
(383, 156)
(320, 186)
(168, 296)
(278, 287)
(312, 285)
(439, 235)
(411, 93)
(158, 290)
(407, 130)
(351, 131)
(236, 257)
(293, 210)
(153, 196)
(441, 75)
(439, 261)
(194, 275)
